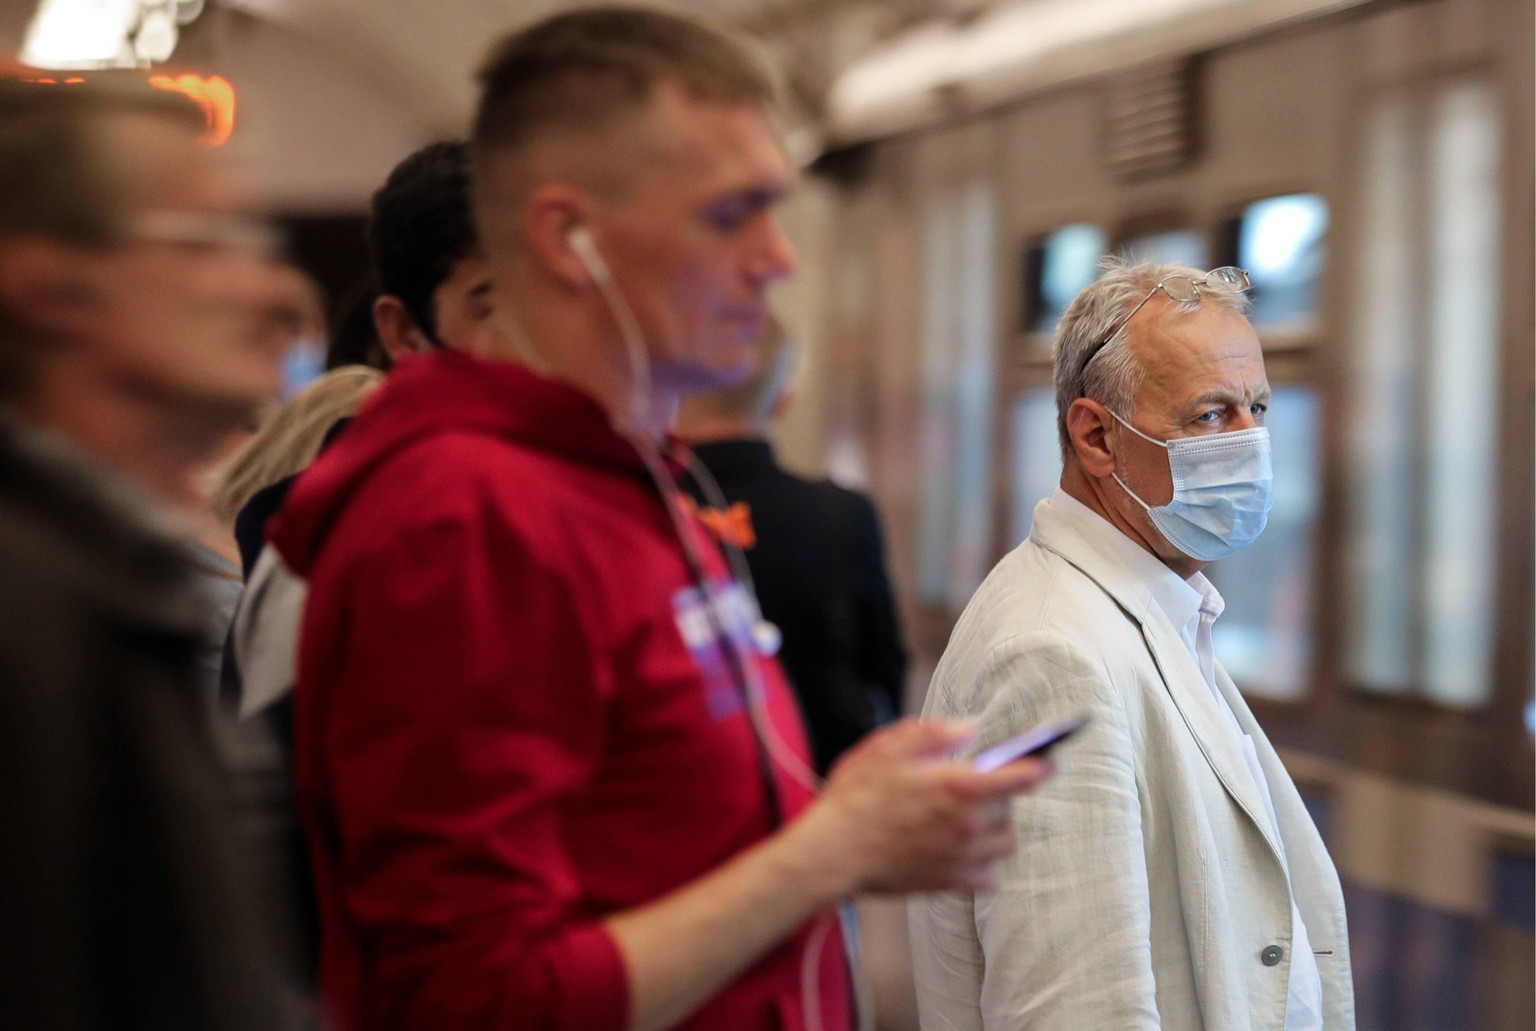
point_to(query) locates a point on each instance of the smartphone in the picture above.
(1036, 741)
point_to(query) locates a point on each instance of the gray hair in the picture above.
(1114, 375)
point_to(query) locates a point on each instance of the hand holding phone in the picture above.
(1035, 741)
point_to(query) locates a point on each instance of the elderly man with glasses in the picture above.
(1169, 876)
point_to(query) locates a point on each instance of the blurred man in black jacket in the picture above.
(138, 327)
(815, 553)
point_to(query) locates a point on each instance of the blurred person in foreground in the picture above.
(1170, 876)
(814, 550)
(137, 330)
(526, 746)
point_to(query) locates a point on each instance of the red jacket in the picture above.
(501, 736)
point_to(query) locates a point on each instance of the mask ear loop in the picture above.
(1151, 440)
(1116, 476)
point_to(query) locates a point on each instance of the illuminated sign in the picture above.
(213, 94)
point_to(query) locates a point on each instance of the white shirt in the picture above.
(1193, 606)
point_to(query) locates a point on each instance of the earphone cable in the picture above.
(788, 761)
(769, 746)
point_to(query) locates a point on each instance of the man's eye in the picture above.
(1258, 408)
(1209, 418)
(727, 219)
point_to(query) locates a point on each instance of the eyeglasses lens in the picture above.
(1181, 289)
(1234, 277)
(209, 232)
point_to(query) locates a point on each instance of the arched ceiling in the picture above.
(854, 68)
(432, 47)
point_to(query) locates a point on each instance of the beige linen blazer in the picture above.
(1148, 889)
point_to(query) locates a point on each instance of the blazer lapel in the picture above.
(1192, 696)
(1181, 676)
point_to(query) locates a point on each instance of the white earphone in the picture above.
(580, 239)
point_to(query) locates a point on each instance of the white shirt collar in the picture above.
(1181, 600)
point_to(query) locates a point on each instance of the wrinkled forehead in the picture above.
(1185, 352)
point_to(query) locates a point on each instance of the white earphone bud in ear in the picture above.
(580, 239)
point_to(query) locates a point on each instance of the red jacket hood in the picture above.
(445, 392)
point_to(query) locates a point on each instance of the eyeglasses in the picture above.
(1182, 289)
(207, 232)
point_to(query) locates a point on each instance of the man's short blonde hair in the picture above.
(578, 73)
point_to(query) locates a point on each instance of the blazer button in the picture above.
(1272, 955)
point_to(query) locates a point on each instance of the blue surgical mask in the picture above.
(1223, 489)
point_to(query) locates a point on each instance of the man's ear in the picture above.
(551, 214)
(46, 283)
(396, 328)
(1087, 432)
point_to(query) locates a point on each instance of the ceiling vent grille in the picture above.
(1151, 122)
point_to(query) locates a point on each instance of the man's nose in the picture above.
(775, 256)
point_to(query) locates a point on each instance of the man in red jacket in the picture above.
(552, 775)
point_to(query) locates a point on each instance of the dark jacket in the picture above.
(818, 559)
(123, 901)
